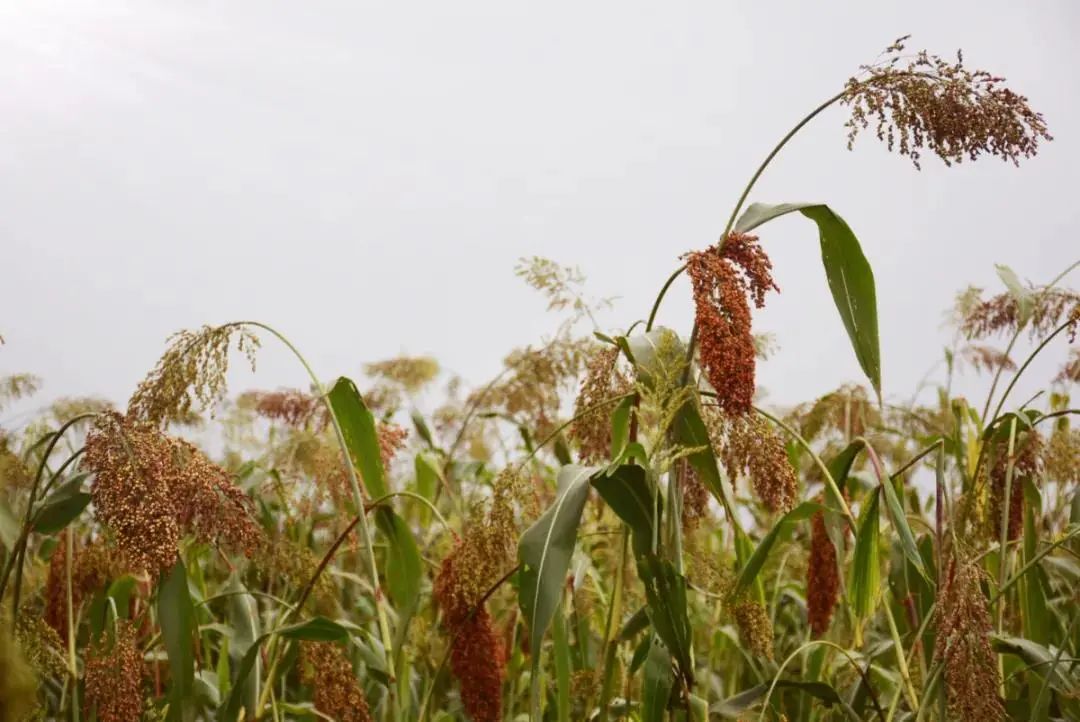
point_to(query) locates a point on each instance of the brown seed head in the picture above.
(1027, 465)
(291, 407)
(1062, 456)
(963, 644)
(411, 373)
(477, 657)
(752, 447)
(932, 103)
(603, 381)
(695, 496)
(190, 375)
(150, 488)
(755, 627)
(336, 689)
(1001, 314)
(985, 358)
(822, 578)
(92, 567)
(114, 677)
(724, 278)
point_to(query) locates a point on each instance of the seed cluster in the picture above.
(943, 106)
(477, 656)
(755, 627)
(92, 567)
(191, 374)
(150, 489)
(114, 677)
(603, 381)
(1027, 465)
(750, 446)
(724, 278)
(484, 553)
(963, 644)
(822, 577)
(291, 407)
(336, 691)
(1001, 314)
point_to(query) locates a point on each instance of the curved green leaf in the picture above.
(316, 629)
(545, 550)
(851, 280)
(361, 436)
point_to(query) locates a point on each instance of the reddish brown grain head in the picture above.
(150, 489)
(336, 690)
(822, 578)
(603, 381)
(751, 447)
(114, 677)
(955, 112)
(725, 278)
(963, 644)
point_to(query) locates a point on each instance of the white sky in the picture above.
(364, 176)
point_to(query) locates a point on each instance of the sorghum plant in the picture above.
(613, 527)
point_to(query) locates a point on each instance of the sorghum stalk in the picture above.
(1003, 550)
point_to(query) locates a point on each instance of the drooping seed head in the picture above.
(336, 690)
(114, 676)
(822, 577)
(943, 106)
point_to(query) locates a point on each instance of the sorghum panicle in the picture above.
(477, 657)
(150, 489)
(1027, 464)
(603, 381)
(755, 627)
(941, 105)
(336, 690)
(724, 279)
(751, 446)
(963, 643)
(291, 407)
(822, 577)
(1001, 314)
(114, 677)
(190, 373)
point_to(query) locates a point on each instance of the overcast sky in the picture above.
(363, 176)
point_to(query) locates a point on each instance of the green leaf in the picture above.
(1020, 293)
(659, 679)
(840, 465)
(176, 615)
(316, 629)
(898, 519)
(358, 428)
(865, 583)
(757, 560)
(59, 510)
(850, 277)
(422, 429)
(630, 495)
(1036, 616)
(665, 593)
(545, 550)
(1045, 660)
(404, 568)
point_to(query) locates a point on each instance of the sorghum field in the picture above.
(613, 528)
